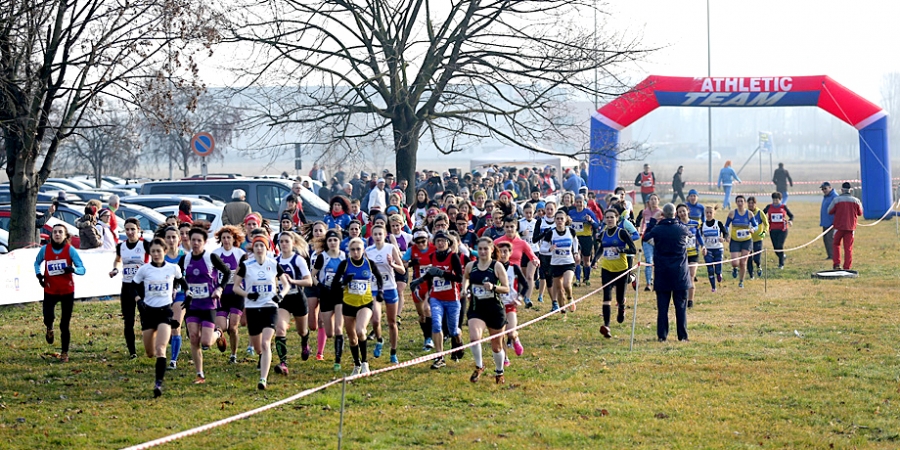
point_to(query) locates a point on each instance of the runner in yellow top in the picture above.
(616, 245)
(762, 229)
(584, 222)
(740, 224)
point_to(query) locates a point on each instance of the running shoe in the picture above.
(132, 356)
(540, 299)
(282, 369)
(438, 363)
(718, 277)
(157, 389)
(587, 283)
(320, 357)
(371, 336)
(261, 385)
(364, 369)
(759, 273)
(576, 283)
(49, 335)
(781, 267)
(741, 284)
(379, 346)
(734, 272)
(64, 357)
(750, 272)
(356, 370)
(399, 320)
(394, 359)
(232, 359)
(498, 379)
(172, 365)
(647, 288)
(714, 290)
(200, 380)
(554, 307)
(690, 303)
(250, 350)
(528, 304)
(429, 345)
(337, 367)
(604, 330)
(506, 362)
(457, 355)
(517, 346)
(620, 314)
(476, 374)
(304, 354)
(221, 343)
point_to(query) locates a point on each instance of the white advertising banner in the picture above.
(19, 285)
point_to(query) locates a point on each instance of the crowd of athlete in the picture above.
(464, 250)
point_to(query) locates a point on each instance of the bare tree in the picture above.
(107, 144)
(169, 129)
(58, 58)
(452, 72)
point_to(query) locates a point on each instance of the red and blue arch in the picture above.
(737, 92)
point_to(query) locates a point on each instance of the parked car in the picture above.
(705, 155)
(45, 232)
(89, 180)
(120, 192)
(86, 196)
(264, 196)
(159, 201)
(149, 219)
(209, 213)
(6, 197)
(76, 185)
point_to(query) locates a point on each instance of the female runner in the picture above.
(316, 238)
(651, 211)
(174, 253)
(713, 236)
(564, 255)
(518, 290)
(294, 251)
(402, 240)
(615, 246)
(324, 268)
(155, 290)
(56, 278)
(418, 259)
(353, 278)
(694, 247)
(389, 262)
(740, 225)
(261, 276)
(486, 279)
(228, 316)
(132, 254)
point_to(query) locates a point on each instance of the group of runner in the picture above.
(339, 276)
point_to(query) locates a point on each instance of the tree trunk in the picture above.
(23, 190)
(406, 146)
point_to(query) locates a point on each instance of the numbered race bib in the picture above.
(710, 241)
(647, 184)
(441, 285)
(611, 253)
(578, 226)
(562, 252)
(261, 288)
(156, 289)
(692, 242)
(199, 290)
(358, 287)
(743, 233)
(777, 217)
(56, 267)
(329, 277)
(481, 292)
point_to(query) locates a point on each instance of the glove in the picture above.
(414, 261)
(435, 272)
(253, 296)
(278, 299)
(379, 297)
(69, 269)
(141, 305)
(347, 279)
(40, 278)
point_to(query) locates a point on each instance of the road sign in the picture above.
(203, 144)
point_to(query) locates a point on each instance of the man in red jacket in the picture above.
(846, 210)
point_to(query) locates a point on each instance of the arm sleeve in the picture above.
(637, 180)
(141, 290)
(722, 228)
(521, 281)
(728, 222)
(629, 243)
(455, 273)
(338, 281)
(788, 176)
(377, 274)
(39, 260)
(222, 268)
(301, 216)
(242, 270)
(736, 177)
(789, 213)
(76, 261)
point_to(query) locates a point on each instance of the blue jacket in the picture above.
(826, 220)
(726, 176)
(670, 239)
(573, 183)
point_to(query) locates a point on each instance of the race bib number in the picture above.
(129, 270)
(481, 292)
(358, 287)
(441, 285)
(710, 241)
(692, 242)
(777, 218)
(611, 253)
(578, 226)
(423, 269)
(743, 234)
(386, 277)
(261, 288)
(56, 267)
(647, 184)
(329, 278)
(199, 290)
(562, 252)
(155, 289)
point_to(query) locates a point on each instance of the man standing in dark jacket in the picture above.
(672, 281)
(781, 178)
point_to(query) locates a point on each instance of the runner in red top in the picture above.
(647, 181)
(54, 265)
(418, 258)
(522, 254)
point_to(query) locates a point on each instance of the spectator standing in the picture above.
(237, 209)
(846, 210)
(318, 173)
(584, 172)
(87, 228)
(184, 212)
(678, 186)
(647, 182)
(672, 276)
(782, 178)
(107, 241)
(377, 198)
(573, 182)
(296, 189)
(727, 176)
(113, 204)
(826, 220)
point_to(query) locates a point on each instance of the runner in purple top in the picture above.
(228, 316)
(202, 298)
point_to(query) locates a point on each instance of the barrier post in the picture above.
(637, 290)
(341, 424)
(765, 270)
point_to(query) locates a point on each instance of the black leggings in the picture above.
(67, 302)
(607, 276)
(129, 291)
(778, 238)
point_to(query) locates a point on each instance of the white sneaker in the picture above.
(365, 368)
(356, 370)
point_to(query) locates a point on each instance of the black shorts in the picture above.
(545, 267)
(491, 311)
(693, 259)
(201, 316)
(261, 318)
(350, 311)
(295, 304)
(328, 299)
(231, 304)
(401, 277)
(586, 244)
(558, 271)
(311, 291)
(153, 317)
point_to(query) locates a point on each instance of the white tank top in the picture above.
(261, 278)
(711, 235)
(510, 297)
(380, 258)
(132, 259)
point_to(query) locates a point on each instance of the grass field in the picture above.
(808, 364)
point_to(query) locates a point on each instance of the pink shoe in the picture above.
(517, 346)
(506, 362)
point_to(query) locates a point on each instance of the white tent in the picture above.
(518, 156)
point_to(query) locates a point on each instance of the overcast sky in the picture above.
(854, 42)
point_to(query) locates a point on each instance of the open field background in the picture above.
(808, 364)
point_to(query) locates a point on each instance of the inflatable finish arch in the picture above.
(821, 91)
